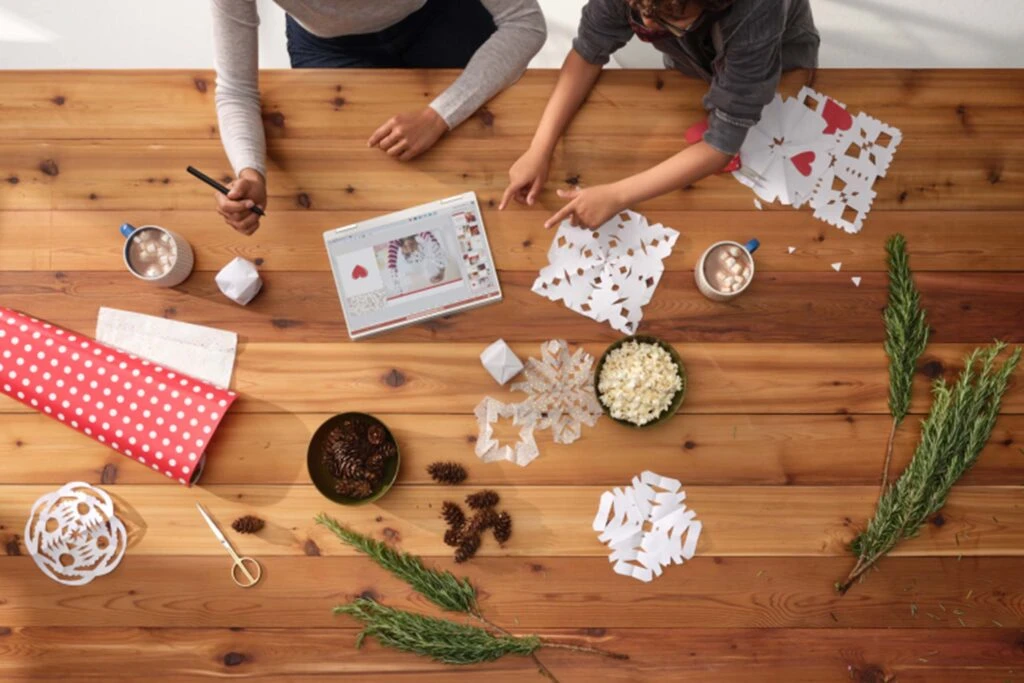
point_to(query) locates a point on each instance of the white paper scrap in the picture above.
(757, 204)
(791, 250)
(608, 274)
(202, 352)
(644, 526)
(856, 280)
(837, 266)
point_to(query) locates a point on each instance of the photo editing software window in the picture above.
(412, 265)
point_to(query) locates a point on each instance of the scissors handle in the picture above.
(250, 571)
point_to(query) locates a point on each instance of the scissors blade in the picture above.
(213, 527)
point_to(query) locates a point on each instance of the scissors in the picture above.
(249, 568)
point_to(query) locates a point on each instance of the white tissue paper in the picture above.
(73, 534)
(239, 281)
(645, 525)
(501, 362)
(202, 352)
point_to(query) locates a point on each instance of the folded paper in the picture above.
(73, 534)
(157, 416)
(647, 526)
(488, 449)
(608, 274)
(202, 352)
(239, 280)
(501, 361)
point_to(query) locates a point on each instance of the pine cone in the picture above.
(354, 488)
(467, 548)
(388, 449)
(447, 472)
(503, 528)
(347, 467)
(482, 499)
(453, 536)
(452, 513)
(248, 524)
(482, 521)
(376, 435)
(375, 463)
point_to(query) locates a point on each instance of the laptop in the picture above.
(412, 265)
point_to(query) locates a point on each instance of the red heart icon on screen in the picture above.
(359, 272)
(836, 118)
(803, 161)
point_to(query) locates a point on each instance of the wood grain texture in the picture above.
(778, 307)
(669, 653)
(779, 442)
(292, 239)
(536, 592)
(548, 520)
(270, 448)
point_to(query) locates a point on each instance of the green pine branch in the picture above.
(441, 588)
(906, 335)
(953, 435)
(440, 639)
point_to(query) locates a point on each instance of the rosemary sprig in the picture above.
(439, 639)
(906, 335)
(952, 436)
(441, 588)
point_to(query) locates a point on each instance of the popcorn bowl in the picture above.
(677, 399)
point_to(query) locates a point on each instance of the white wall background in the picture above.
(106, 34)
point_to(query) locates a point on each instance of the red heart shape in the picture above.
(836, 118)
(695, 133)
(803, 161)
(359, 272)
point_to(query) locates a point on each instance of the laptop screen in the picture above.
(412, 265)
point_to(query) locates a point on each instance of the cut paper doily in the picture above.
(487, 412)
(647, 526)
(73, 534)
(560, 391)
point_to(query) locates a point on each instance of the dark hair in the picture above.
(675, 8)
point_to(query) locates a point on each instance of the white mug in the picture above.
(709, 290)
(179, 270)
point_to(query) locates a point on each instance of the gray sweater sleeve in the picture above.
(236, 58)
(604, 28)
(498, 63)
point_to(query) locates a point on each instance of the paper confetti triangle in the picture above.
(757, 205)
(791, 250)
(837, 266)
(856, 280)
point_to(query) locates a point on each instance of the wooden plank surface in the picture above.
(779, 442)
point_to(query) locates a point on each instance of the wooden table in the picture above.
(779, 445)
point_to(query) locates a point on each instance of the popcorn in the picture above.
(638, 382)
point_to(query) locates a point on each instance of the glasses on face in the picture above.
(636, 22)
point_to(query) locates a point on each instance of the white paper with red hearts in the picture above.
(156, 416)
(811, 149)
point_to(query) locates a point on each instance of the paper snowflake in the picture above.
(645, 525)
(560, 392)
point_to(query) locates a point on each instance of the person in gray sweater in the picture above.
(491, 40)
(739, 47)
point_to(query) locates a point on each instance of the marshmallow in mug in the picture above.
(727, 268)
(151, 253)
(239, 281)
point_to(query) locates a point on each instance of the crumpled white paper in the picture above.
(488, 449)
(608, 274)
(501, 361)
(647, 526)
(73, 534)
(239, 280)
(203, 352)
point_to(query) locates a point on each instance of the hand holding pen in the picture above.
(241, 203)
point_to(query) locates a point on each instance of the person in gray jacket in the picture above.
(739, 47)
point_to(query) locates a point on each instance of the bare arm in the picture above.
(529, 173)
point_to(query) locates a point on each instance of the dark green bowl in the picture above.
(324, 480)
(677, 400)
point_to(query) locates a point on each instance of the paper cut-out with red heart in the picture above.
(803, 161)
(836, 118)
(359, 272)
(695, 133)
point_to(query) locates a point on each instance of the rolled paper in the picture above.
(159, 417)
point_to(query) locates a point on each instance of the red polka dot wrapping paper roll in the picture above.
(159, 417)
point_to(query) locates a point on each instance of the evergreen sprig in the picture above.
(441, 588)
(952, 437)
(906, 333)
(440, 639)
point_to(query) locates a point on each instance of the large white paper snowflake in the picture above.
(644, 525)
(560, 392)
